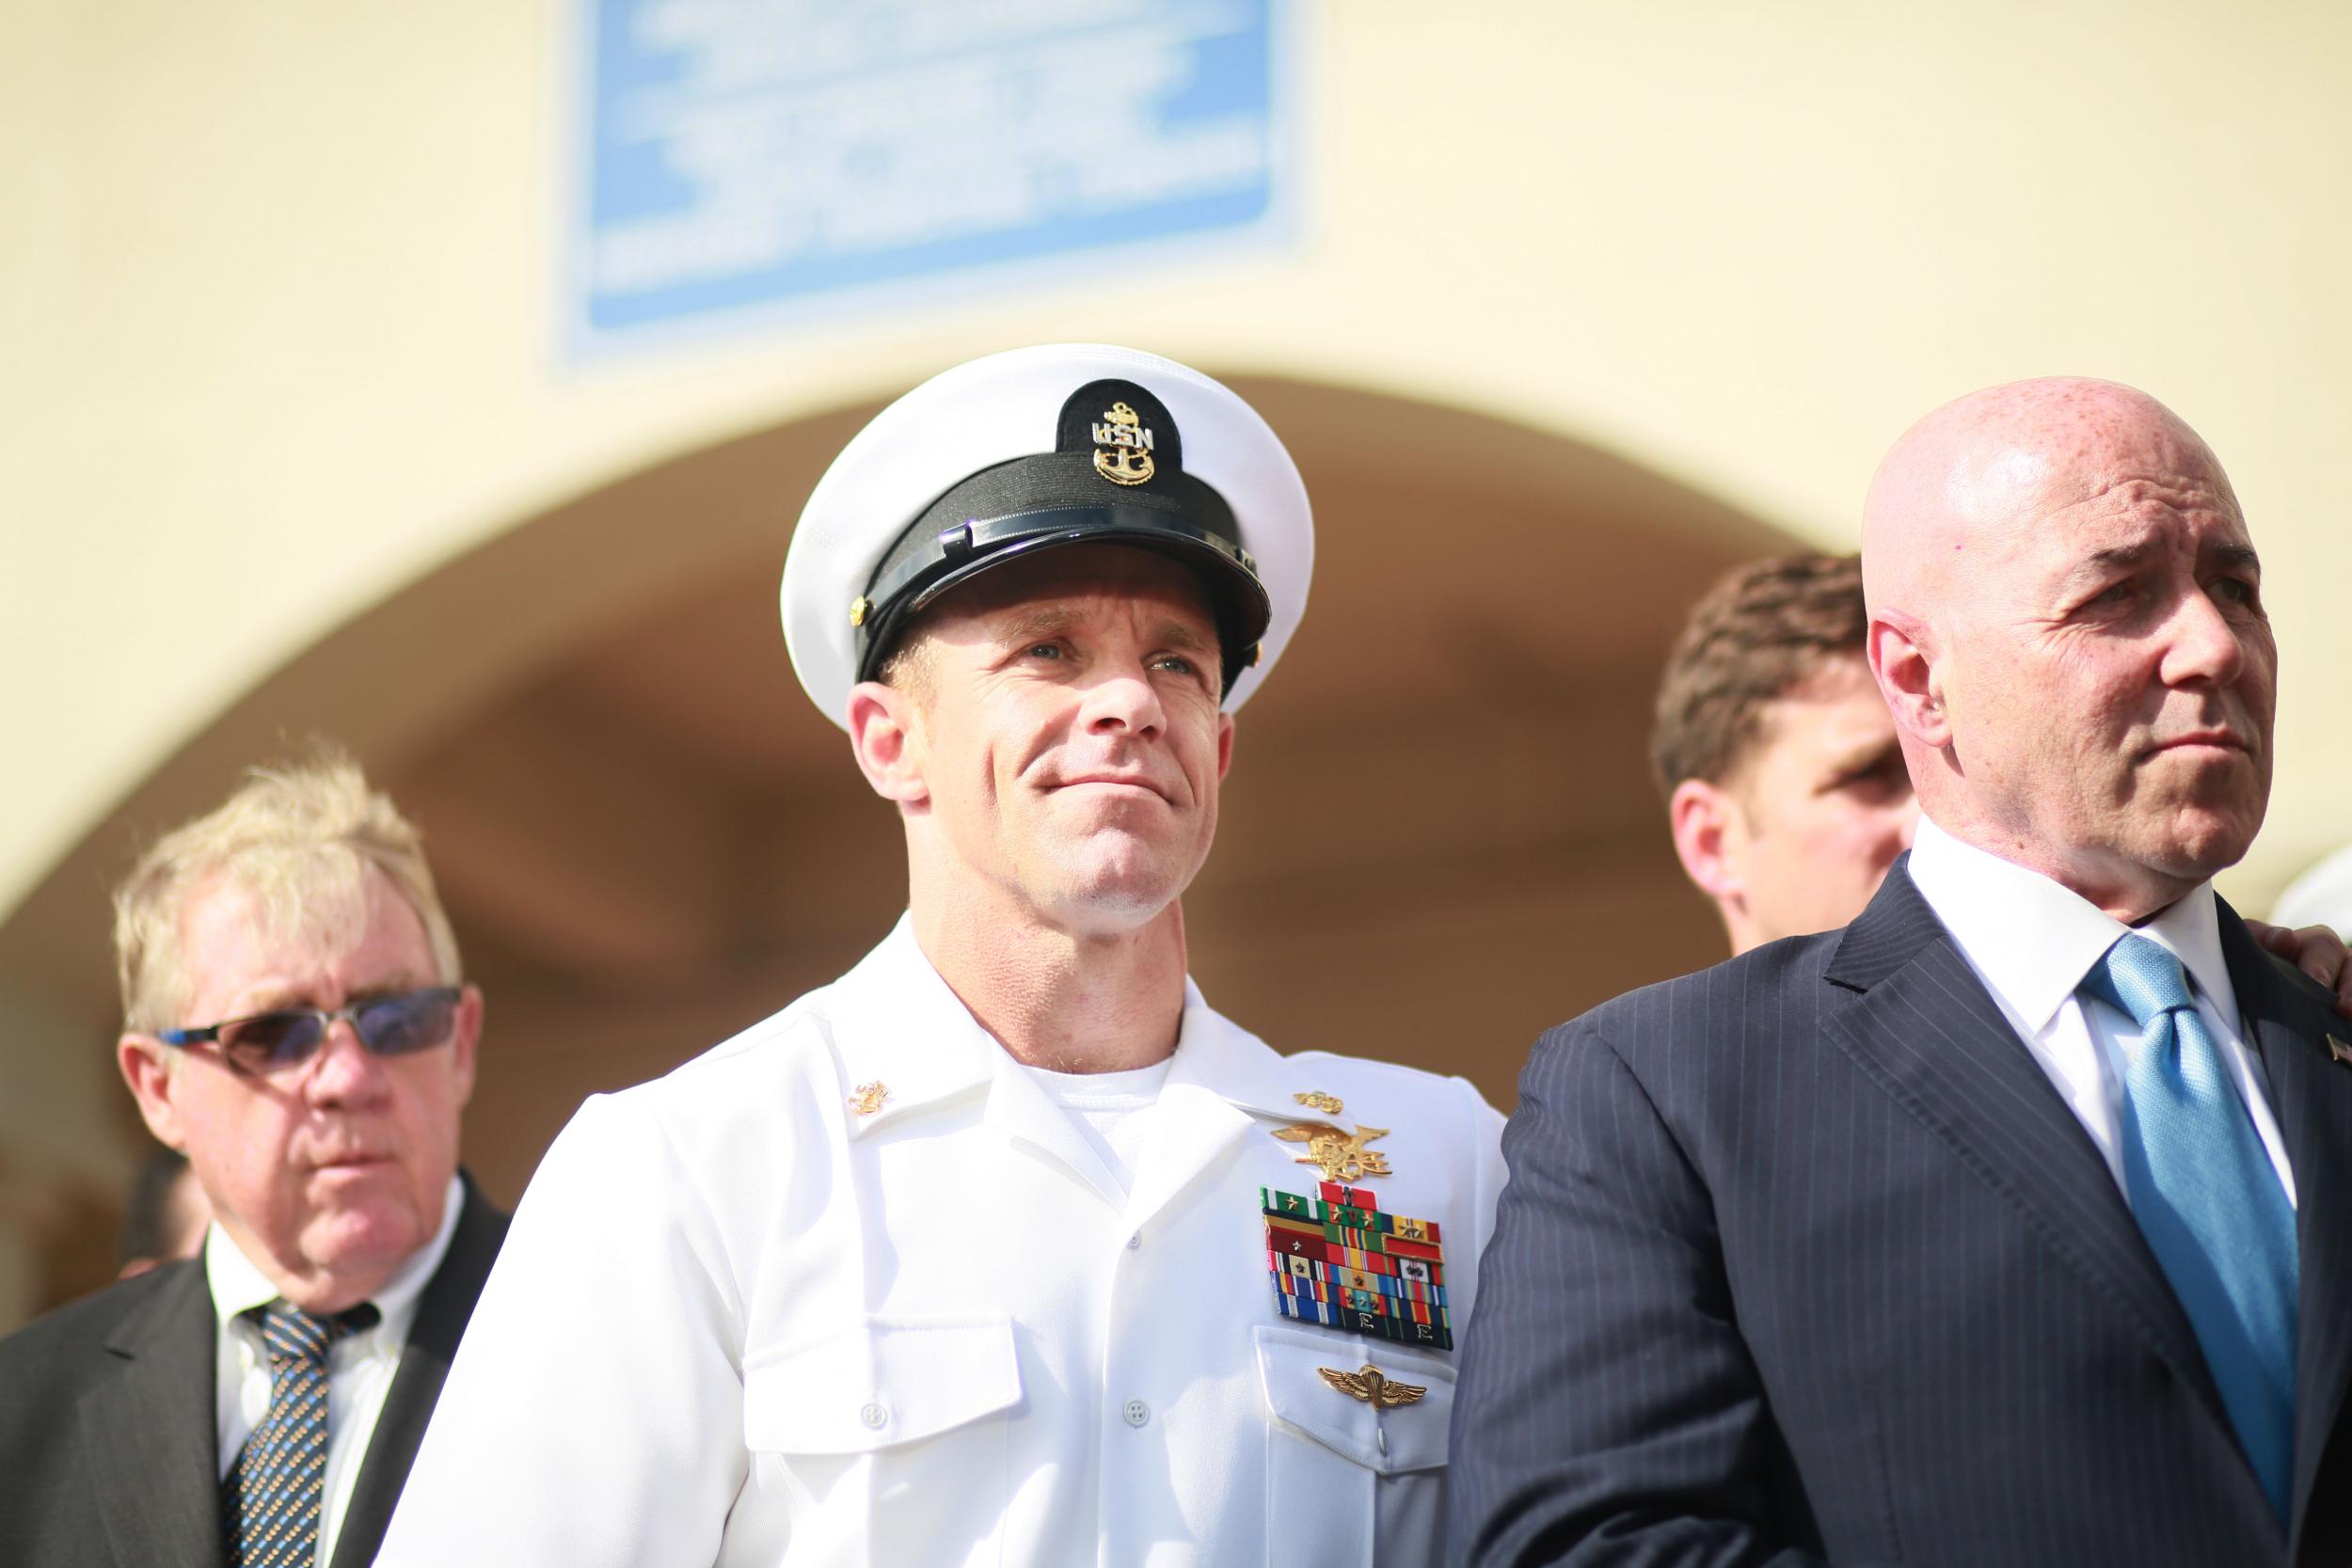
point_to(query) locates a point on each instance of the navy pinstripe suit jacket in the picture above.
(1801, 1259)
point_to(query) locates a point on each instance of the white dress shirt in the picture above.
(359, 1367)
(858, 1288)
(2032, 941)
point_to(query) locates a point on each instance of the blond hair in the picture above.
(299, 837)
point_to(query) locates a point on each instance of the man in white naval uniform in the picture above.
(1006, 1247)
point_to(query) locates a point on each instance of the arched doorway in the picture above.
(1438, 837)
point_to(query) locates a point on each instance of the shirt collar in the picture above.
(903, 1033)
(2191, 927)
(1217, 1055)
(897, 1023)
(2034, 941)
(238, 1284)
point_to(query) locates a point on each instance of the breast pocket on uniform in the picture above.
(1356, 1446)
(861, 1436)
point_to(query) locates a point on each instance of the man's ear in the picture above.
(886, 736)
(1224, 745)
(1707, 830)
(1903, 663)
(148, 1072)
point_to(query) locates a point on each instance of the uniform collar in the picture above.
(1217, 1057)
(898, 1027)
(900, 1030)
(2034, 941)
(897, 1023)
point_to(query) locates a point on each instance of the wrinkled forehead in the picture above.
(1998, 490)
(2100, 450)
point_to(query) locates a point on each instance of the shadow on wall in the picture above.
(1438, 839)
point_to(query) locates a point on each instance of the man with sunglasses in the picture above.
(296, 1024)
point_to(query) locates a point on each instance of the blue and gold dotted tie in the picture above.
(270, 1497)
(2210, 1203)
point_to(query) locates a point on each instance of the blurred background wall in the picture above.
(440, 377)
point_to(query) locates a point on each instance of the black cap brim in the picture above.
(957, 554)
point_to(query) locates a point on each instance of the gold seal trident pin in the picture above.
(1341, 1156)
(1372, 1385)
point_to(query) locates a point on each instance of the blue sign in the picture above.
(759, 153)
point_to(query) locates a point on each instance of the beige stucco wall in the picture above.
(278, 293)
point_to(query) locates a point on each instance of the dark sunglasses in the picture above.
(393, 1025)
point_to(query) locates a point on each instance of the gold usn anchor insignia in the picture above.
(869, 1098)
(1372, 1385)
(1341, 1156)
(1122, 447)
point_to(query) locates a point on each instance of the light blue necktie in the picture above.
(2209, 1201)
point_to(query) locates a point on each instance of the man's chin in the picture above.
(1114, 901)
(364, 1230)
(2204, 843)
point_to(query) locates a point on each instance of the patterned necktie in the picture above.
(2210, 1203)
(270, 1497)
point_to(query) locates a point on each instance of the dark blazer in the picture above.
(1802, 1259)
(109, 1445)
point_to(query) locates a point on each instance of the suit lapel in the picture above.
(155, 1425)
(442, 1312)
(1925, 1029)
(2288, 1022)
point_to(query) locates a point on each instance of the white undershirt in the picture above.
(2031, 942)
(1108, 1107)
(359, 1367)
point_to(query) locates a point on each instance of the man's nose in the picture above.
(344, 1072)
(1124, 698)
(2203, 644)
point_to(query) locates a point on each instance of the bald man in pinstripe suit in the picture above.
(1887, 1245)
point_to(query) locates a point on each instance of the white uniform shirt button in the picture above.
(874, 1416)
(1137, 1413)
(1135, 1240)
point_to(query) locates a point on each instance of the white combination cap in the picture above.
(1067, 443)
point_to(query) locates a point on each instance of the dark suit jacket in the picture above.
(109, 1445)
(1802, 1258)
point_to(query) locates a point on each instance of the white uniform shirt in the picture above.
(359, 1367)
(2031, 942)
(737, 1321)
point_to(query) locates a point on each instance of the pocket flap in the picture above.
(1409, 1435)
(880, 1380)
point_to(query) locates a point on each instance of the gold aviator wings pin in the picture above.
(1372, 1385)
